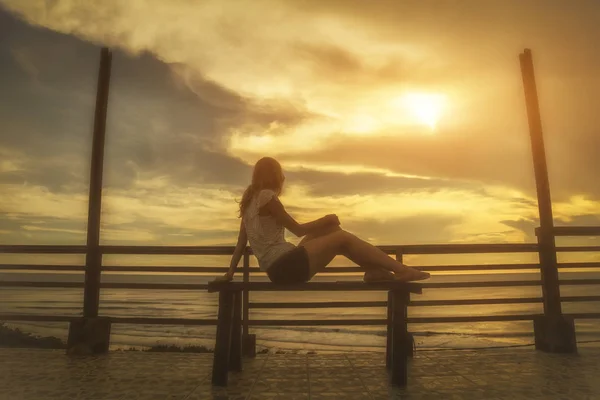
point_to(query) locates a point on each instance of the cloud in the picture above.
(297, 77)
(201, 90)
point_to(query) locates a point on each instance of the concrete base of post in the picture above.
(555, 334)
(88, 336)
(249, 345)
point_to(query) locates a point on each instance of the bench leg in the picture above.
(223, 340)
(388, 346)
(235, 355)
(399, 339)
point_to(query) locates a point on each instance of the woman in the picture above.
(264, 220)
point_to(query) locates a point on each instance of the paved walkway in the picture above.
(34, 374)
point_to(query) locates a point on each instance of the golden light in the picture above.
(424, 107)
(361, 124)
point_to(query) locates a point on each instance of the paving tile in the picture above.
(487, 374)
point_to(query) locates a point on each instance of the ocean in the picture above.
(200, 304)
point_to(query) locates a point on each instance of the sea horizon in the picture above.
(199, 304)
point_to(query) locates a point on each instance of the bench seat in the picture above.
(228, 344)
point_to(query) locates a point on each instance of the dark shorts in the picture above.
(292, 267)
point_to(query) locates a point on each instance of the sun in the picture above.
(425, 108)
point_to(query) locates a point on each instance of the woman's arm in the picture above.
(276, 209)
(239, 250)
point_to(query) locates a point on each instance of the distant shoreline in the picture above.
(15, 337)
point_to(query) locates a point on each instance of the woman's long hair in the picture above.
(267, 174)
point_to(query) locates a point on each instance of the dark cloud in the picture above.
(527, 226)
(448, 156)
(160, 120)
(478, 157)
(333, 183)
(24, 228)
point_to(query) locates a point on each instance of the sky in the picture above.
(406, 119)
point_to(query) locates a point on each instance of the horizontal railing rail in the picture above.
(417, 249)
(399, 251)
(573, 231)
(254, 270)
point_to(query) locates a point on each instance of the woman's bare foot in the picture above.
(378, 275)
(409, 274)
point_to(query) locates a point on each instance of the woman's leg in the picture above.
(321, 251)
(375, 270)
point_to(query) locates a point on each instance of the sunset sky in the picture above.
(405, 118)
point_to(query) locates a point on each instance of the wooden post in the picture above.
(390, 314)
(235, 353)
(409, 336)
(93, 259)
(390, 330)
(399, 370)
(223, 341)
(553, 332)
(248, 340)
(547, 249)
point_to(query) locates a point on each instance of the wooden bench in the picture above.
(228, 344)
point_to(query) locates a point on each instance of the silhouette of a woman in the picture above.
(264, 220)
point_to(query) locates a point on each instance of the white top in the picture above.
(265, 234)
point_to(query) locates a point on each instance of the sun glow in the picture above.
(425, 108)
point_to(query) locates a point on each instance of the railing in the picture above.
(399, 251)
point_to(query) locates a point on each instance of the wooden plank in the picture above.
(472, 318)
(235, 355)
(455, 285)
(115, 285)
(213, 322)
(413, 303)
(579, 298)
(382, 322)
(41, 249)
(579, 265)
(220, 370)
(42, 284)
(155, 286)
(332, 270)
(439, 249)
(198, 269)
(573, 231)
(42, 267)
(462, 248)
(579, 281)
(584, 315)
(114, 320)
(314, 286)
(465, 302)
(317, 322)
(170, 250)
(429, 268)
(228, 250)
(162, 321)
(38, 318)
(320, 304)
(577, 249)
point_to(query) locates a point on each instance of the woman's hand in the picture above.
(332, 219)
(228, 277)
